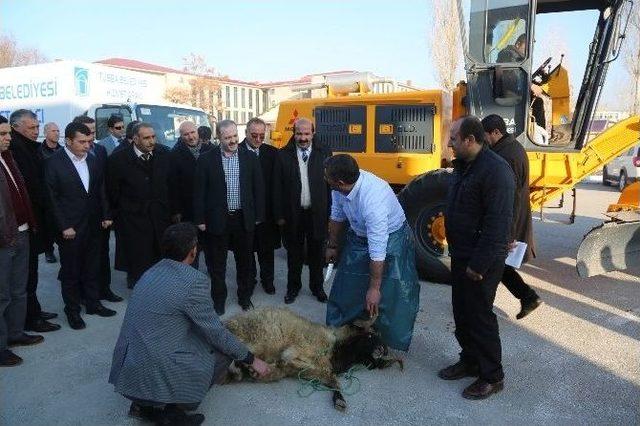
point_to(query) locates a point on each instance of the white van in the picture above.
(624, 169)
(59, 91)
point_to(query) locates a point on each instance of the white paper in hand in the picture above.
(516, 255)
(327, 274)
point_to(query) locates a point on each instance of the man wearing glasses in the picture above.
(115, 125)
(266, 237)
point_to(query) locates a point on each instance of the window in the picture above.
(244, 117)
(250, 115)
(250, 98)
(228, 96)
(227, 115)
(243, 93)
(235, 115)
(220, 115)
(235, 97)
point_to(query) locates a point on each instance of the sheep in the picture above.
(293, 346)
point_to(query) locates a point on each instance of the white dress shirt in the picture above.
(305, 192)
(80, 163)
(373, 212)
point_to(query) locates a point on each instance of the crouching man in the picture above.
(377, 272)
(172, 346)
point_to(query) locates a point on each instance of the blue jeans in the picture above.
(14, 267)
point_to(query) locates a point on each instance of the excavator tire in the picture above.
(424, 200)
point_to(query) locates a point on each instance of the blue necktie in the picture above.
(305, 155)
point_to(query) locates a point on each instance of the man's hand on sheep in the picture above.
(373, 300)
(260, 367)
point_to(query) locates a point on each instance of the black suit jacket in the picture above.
(182, 178)
(287, 188)
(268, 158)
(210, 191)
(70, 203)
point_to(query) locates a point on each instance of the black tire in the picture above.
(606, 179)
(623, 181)
(424, 199)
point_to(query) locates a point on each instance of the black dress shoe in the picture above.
(481, 389)
(75, 320)
(26, 340)
(172, 415)
(110, 296)
(458, 371)
(246, 304)
(50, 257)
(321, 296)
(100, 310)
(528, 305)
(41, 326)
(144, 412)
(48, 315)
(290, 297)
(269, 288)
(9, 359)
(219, 308)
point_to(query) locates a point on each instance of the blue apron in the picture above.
(400, 290)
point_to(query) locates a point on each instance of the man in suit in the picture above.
(505, 145)
(138, 188)
(49, 147)
(228, 202)
(115, 126)
(74, 183)
(267, 235)
(302, 205)
(16, 217)
(25, 128)
(101, 154)
(184, 156)
(172, 346)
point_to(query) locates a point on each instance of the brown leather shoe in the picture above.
(41, 326)
(25, 340)
(481, 389)
(458, 371)
(9, 359)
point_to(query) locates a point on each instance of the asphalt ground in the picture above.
(575, 360)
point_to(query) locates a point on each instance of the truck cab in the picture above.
(164, 117)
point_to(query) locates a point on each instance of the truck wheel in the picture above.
(424, 200)
(606, 180)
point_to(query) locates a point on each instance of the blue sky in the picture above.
(257, 40)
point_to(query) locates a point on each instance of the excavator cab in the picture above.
(534, 98)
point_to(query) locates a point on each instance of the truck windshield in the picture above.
(166, 120)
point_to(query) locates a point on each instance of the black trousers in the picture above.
(240, 242)
(263, 245)
(516, 285)
(203, 247)
(79, 266)
(296, 254)
(476, 324)
(105, 263)
(33, 306)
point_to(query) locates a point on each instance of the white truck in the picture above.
(59, 91)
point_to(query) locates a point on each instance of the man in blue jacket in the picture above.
(478, 222)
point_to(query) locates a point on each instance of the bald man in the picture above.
(49, 147)
(184, 157)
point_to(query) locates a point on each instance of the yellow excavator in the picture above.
(401, 137)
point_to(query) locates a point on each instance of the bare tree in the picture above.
(444, 43)
(203, 85)
(12, 55)
(632, 56)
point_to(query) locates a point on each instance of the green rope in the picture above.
(312, 385)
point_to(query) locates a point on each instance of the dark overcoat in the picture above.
(267, 233)
(139, 198)
(288, 187)
(514, 154)
(181, 182)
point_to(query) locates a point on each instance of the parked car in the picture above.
(624, 169)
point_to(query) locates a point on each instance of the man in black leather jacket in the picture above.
(478, 223)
